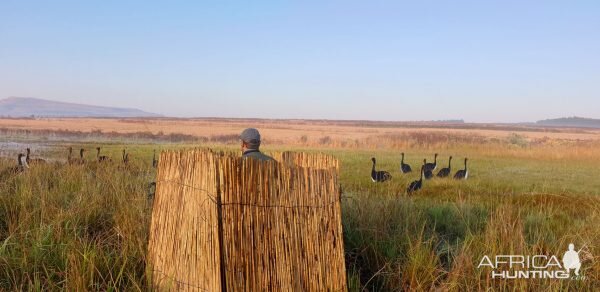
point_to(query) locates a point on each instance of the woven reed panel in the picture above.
(281, 223)
(183, 247)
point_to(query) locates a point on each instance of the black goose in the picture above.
(405, 168)
(416, 185)
(20, 167)
(431, 166)
(154, 160)
(463, 173)
(70, 159)
(81, 160)
(101, 158)
(379, 176)
(445, 172)
(33, 160)
(427, 173)
(125, 157)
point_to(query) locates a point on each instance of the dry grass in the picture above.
(86, 227)
(296, 132)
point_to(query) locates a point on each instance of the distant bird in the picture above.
(101, 158)
(81, 159)
(463, 173)
(427, 172)
(33, 160)
(125, 157)
(417, 184)
(445, 172)
(379, 176)
(431, 166)
(20, 167)
(154, 160)
(151, 190)
(405, 168)
(70, 159)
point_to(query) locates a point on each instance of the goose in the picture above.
(444, 172)
(34, 160)
(81, 160)
(125, 157)
(151, 189)
(20, 167)
(379, 176)
(417, 184)
(101, 158)
(431, 166)
(427, 173)
(23, 163)
(463, 173)
(70, 159)
(154, 160)
(405, 168)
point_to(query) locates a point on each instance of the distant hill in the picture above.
(28, 106)
(575, 122)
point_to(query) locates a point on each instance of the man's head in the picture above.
(250, 139)
(571, 246)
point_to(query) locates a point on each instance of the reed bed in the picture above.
(87, 227)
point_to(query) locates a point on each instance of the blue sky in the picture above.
(482, 61)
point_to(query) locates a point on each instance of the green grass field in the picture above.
(86, 227)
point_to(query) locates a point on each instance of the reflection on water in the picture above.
(10, 149)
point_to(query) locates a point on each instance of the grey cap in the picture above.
(251, 136)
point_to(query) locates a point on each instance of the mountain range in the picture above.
(20, 107)
(17, 107)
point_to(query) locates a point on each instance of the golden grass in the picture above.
(293, 131)
(86, 227)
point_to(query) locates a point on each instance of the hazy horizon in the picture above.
(480, 62)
